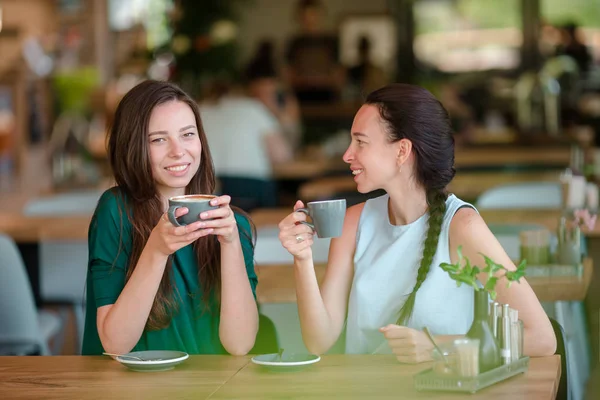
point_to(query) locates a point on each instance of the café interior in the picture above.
(520, 80)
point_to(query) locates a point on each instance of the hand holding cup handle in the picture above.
(327, 217)
(171, 215)
(305, 211)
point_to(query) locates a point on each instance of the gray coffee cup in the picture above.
(195, 203)
(327, 217)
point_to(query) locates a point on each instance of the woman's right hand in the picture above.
(297, 238)
(168, 238)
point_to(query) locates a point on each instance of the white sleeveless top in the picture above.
(386, 261)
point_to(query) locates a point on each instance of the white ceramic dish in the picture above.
(153, 360)
(286, 361)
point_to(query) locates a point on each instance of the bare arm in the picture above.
(322, 312)
(239, 314)
(278, 149)
(469, 230)
(120, 325)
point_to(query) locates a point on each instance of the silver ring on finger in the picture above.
(299, 239)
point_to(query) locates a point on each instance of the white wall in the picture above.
(275, 19)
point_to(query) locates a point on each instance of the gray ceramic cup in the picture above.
(195, 203)
(327, 217)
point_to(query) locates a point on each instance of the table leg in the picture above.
(30, 252)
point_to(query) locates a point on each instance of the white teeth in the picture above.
(178, 168)
(357, 171)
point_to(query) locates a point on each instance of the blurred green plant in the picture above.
(205, 42)
(74, 89)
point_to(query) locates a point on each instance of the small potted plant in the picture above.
(463, 272)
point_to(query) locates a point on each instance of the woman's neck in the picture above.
(406, 205)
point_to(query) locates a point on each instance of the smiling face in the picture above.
(174, 146)
(374, 160)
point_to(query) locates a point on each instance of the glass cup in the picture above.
(535, 246)
(445, 363)
(467, 357)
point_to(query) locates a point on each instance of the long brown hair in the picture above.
(128, 151)
(413, 113)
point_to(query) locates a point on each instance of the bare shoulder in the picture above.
(466, 222)
(469, 230)
(353, 214)
(351, 219)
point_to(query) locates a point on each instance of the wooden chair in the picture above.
(562, 350)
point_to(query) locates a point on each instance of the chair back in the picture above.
(18, 312)
(539, 195)
(561, 350)
(75, 203)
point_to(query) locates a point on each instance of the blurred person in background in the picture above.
(152, 285)
(246, 140)
(264, 84)
(572, 46)
(313, 69)
(366, 76)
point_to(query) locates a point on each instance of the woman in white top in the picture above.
(383, 275)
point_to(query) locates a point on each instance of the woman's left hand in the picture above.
(409, 345)
(222, 220)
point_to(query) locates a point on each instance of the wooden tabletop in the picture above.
(499, 156)
(307, 167)
(563, 288)
(226, 377)
(33, 229)
(548, 218)
(276, 284)
(466, 184)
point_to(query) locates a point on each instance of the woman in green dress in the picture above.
(152, 285)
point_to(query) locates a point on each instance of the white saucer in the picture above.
(154, 360)
(286, 362)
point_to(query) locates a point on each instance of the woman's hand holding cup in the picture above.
(296, 237)
(221, 221)
(168, 238)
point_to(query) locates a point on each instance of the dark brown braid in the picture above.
(436, 199)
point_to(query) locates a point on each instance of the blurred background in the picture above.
(514, 71)
(278, 83)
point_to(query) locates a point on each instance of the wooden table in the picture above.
(306, 167)
(23, 228)
(466, 185)
(548, 218)
(276, 284)
(563, 288)
(226, 377)
(500, 156)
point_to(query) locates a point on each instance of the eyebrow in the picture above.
(185, 128)
(359, 134)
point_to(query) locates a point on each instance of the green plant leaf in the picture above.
(491, 283)
(516, 275)
(467, 273)
(449, 267)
